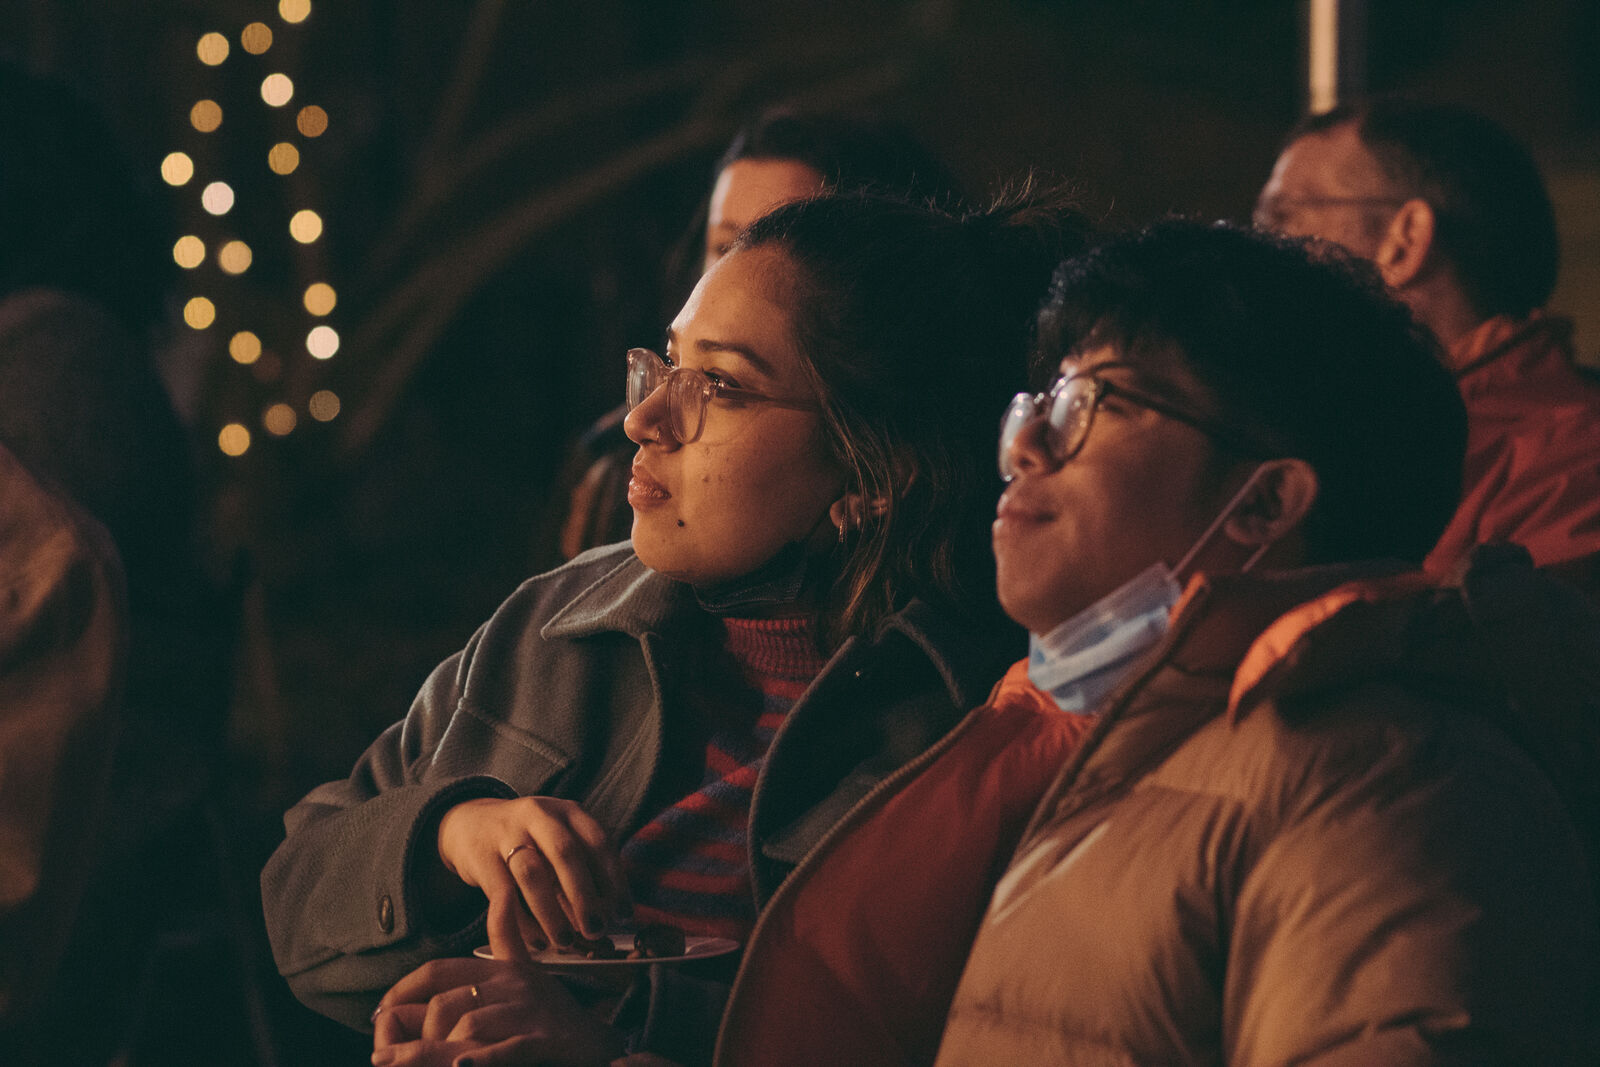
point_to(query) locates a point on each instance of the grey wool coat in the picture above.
(567, 691)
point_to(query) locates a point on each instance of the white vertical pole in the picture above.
(1336, 40)
(1322, 57)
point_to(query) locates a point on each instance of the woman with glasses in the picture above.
(661, 731)
(783, 155)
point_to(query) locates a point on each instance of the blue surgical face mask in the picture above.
(1080, 661)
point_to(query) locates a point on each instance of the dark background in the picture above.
(502, 186)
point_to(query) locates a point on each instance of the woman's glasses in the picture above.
(688, 392)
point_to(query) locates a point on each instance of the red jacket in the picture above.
(1532, 471)
(866, 964)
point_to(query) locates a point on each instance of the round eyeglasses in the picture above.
(1069, 406)
(688, 392)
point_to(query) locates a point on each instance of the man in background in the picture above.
(1455, 216)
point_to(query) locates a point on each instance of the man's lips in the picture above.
(643, 489)
(1016, 509)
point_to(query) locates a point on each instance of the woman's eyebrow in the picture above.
(707, 345)
(761, 365)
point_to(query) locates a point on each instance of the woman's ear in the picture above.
(1282, 494)
(852, 510)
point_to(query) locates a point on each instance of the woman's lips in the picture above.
(644, 491)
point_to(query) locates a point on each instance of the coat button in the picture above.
(386, 914)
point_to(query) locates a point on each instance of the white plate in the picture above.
(694, 948)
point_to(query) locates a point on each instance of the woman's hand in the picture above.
(490, 1011)
(544, 864)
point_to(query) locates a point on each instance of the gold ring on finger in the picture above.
(519, 848)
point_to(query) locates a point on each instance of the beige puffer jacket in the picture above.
(1325, 850)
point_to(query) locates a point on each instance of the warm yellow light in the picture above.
(212, 49)
(320, 298)
(276, 89)
(294, 10)
(323, 405)
(305, 226)
(234, 440)
(206, 115)
(234, 257)
(217, 198)
(256, 38)
(312, 121)
(279, 420)
(283, 157)
(322, 342)
(189, 252)
(199, 313)
(177, 168)
(244, 347)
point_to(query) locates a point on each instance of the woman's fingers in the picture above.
(581, 860)
(401, 1023)
(568, 858)
(548, 852)
(506, 938)
(446, 1009)
(609, 878)
(537, 885)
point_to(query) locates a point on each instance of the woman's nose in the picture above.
(648, 421)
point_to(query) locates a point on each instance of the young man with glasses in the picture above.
(1454, 214)
(1300, 819)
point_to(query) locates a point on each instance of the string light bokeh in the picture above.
(254, 338)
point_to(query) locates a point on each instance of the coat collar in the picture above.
(628, 598)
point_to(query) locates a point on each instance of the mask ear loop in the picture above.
(1217, 523)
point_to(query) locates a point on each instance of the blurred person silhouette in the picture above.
(781, 156)
(1454, 213)
(83, 274)
(63, 628)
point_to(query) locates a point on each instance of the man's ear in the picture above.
(1406, 243)
(1277, 504)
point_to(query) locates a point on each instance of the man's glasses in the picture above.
(1273, 211)
(1069, 406)
(688, 392)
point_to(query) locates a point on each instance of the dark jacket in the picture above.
(1532, 469)
(568, 691)
(63, 633)
(1314, 840)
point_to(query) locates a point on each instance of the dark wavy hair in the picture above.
(1304, 353)
(915, 325)
(1494, 220)
(854, 153)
